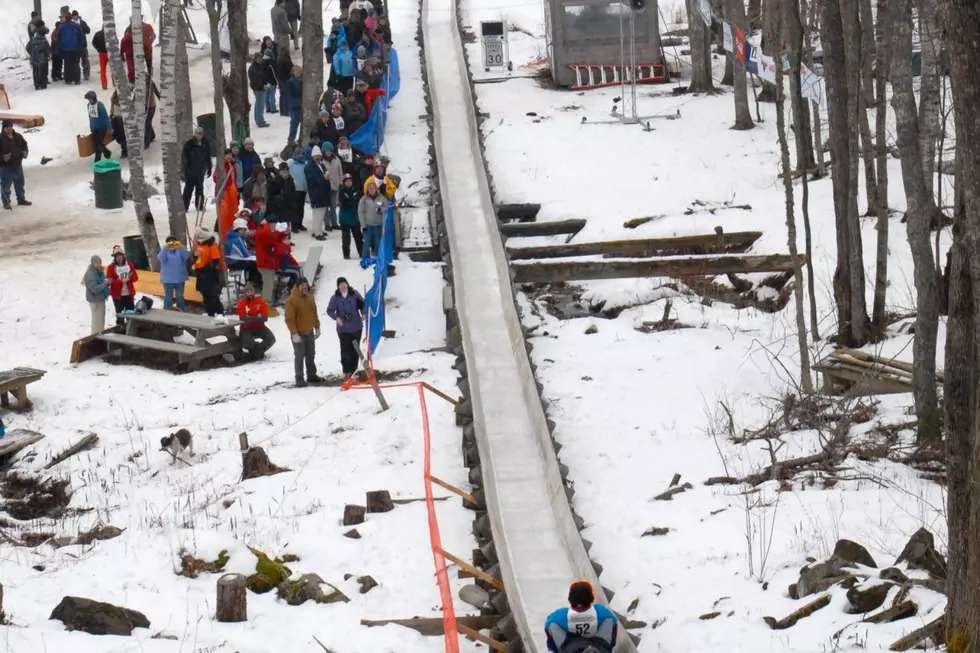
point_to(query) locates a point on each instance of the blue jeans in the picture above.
(283, 101)
(270, 99)
(258, 108)
(12, 175)
(372, 241)
(295, 117)
(174, 292)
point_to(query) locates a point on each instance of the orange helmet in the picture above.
(580, 594)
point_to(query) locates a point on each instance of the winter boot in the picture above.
(6, 204)
(24, 202)
(300, 383)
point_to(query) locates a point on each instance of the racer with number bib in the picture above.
(584, 627)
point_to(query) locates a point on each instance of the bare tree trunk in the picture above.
(169, 143)
(134, 112)
(812, 14)
(728, 79)
(700, 38)
(219, 83)
(801, 119)
(37, 7)
(882, 39)
(961, 22)
(236, 86)
(806, 382)
(755, 14)
(917, 219)
(312, 65)
(185, 106)
(865, 100)
(735, 10)
(842, 75)
(930, 41)
(867, 52)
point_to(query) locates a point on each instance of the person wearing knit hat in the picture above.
(207, 266)
(256, 338)
(121, 276)
(347, 309)
(318, 189)
(173, 272)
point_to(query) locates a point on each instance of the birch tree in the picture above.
(214, 19)
(170, 144)
(185, 104)
(236, 85)
(960, 20)
(134, 115)
(312, 65)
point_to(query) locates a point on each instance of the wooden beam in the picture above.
(452, 488)
(521, 212)
(432, 626)
(530, 229)
(644, 247)
(692, 266)
(439, 393)
(478, 573)
(480, 637)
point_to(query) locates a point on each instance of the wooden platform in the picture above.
(15, 382)
(23, 120)
(852, 370)
(532, 229)
(732, 243)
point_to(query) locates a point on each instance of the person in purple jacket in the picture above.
(346, 308)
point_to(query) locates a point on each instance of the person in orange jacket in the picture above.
(255, 336)
(228, 207)
(207, 268)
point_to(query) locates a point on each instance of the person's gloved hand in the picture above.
(316, 333)
(296, 338)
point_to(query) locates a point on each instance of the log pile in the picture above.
(846, 370)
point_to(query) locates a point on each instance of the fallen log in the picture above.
(692, 266)
(644, 247)
(531, 229)
(775, 472)
(903, 610)
(83, 444)
(432, 626)
(790, 620)
(934, 630)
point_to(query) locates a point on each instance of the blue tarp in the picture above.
(393, 80)
(375, 298)
(371, 135)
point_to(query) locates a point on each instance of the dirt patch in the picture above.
(220, 399)
(336, 380)
(30, 497)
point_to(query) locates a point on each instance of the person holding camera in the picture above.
(346, 308)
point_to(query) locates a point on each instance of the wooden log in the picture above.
(354, 515)
(669, 494)
(256, 463)
(643, 247)
(903, 610)
(522, 212)
(934, 630)
(83, 444)
(17, 439)
(692, 266)
(232, 599)
(379, 501)
(432, 626)
(531, 229)
(480, 637)
(891, 362)
(466, 496)
(496, 583)
(790, 620)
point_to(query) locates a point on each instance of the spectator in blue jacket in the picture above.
(237, 253)
(319, 190)
(344, 67)
(173, 272)
(294, 90)
(99, 124)
(346, 308)
(246, 159)
(297, 170)
(70, 44)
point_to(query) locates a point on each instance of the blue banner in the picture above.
(374, 300)
(371, 136)
(393, 79)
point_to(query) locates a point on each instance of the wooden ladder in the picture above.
(599, 75)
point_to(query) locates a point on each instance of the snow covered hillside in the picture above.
(635, 404)
(336, 445)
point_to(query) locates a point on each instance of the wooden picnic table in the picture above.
(15, 382)
(143, 332)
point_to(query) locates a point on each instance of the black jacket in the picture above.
(13, 150)
(98, 41)
(349, 197)
(292, 10)
(355, 115)
(283, 202)
(256, 76)
(325, 132)
(196, 158)
(86, 30)
(271, 76)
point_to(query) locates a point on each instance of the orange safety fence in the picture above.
(449, 627)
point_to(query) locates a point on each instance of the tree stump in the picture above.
(354, 515)
(379, 501)
(232, 599)
(256, 463)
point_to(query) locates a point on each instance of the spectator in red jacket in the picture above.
(371, 95)
(255, 336)
(121, 274)
(126, 49)
(266, 258)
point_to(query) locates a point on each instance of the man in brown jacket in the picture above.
(303, 323)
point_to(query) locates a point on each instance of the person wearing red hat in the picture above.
(584, 626)
(121, 276)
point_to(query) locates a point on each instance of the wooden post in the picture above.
(232, 599)
(452, 488)
(374, 381)
(379, 501)
(243, 441)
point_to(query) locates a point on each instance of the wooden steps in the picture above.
(532, 229)
(845, 370)
(23, 120)
(644, 248)
(690, 266)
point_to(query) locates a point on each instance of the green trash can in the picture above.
(107, 184)
(209, 124)
(136, 252)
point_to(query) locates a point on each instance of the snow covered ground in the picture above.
(337, 445)
(634, 408)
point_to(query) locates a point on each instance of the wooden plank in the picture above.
(182, 320)
(869, 384)
(433, 626)
(691, 266)
(147, 343)
(520, 212)
(23, 120)
(452, 488)
(531, 229)
(479, 573)
(312, 264)
(19, 377)
(480, 637)
(644, 247)
(90, 346)
(439, 393)
(891, 362)
(88, 441)
(17, 439)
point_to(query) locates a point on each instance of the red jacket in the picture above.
(229, 182)
(254, 308)
(126, 50)
(284, 249)
(116, 283)
(265, 248)
(370, 95)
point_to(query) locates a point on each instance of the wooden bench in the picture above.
(311, 265)
(148, 343)
(23, 120)
(15, 382)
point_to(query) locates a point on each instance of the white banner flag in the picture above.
(812, 87)
(704, 8)
(767, 68)
(726, 31)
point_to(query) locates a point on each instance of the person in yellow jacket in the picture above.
(303, 323)
(386, 185)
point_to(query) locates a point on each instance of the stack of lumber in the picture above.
(844, 368)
